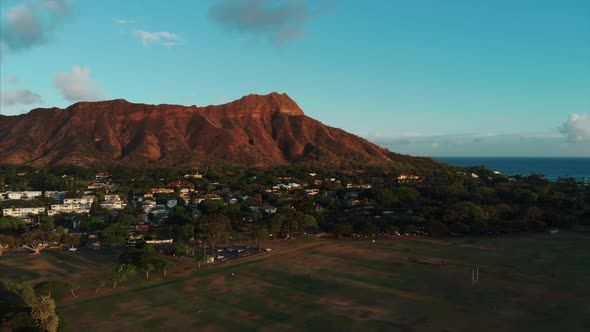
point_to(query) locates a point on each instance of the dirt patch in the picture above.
(427, 260)
(219, 284)
(349, 308)
(248, 315)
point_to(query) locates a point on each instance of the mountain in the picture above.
(256, 130)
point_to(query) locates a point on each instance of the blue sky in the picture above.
(424, 77)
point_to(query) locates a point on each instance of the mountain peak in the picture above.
(273, 102)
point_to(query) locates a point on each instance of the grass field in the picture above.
(527, 283)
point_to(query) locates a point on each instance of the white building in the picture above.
(72, 205)
(23, 194)
(23, 212)
(116, 204)
(82, 200)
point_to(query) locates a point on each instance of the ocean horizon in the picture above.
(551, 167)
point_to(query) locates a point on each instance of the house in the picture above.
(170, 203)
(99, 185)
(351, 195)
(111, 197)
(312, 192)
(56, 195)
(161, 191)
(116, 204)
(196, 175)
(183, 184)
(23, 212)
(85, 200)
(408, 178)
(17, 195)
(102, 177)
(68, 208)
(269, 209)
(359, 186)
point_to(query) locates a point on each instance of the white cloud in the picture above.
(78, 86)
(31, 23)
(123, 21)
(577, 128)
(19, 97)
(167, 39)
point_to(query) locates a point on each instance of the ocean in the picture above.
(552, 168)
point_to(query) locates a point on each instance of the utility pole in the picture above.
(474, 277)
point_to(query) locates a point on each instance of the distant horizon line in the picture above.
(522, 157)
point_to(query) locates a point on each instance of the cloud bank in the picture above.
(19, 97)
(30, 23)
(278, 21)
(78, 86)
(577, 128)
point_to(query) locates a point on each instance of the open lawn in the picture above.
(527, 283)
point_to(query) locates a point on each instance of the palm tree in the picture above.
(43, 307)
(51, 324)
(43, 312)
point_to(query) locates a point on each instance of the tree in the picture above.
(275, 224)
(179, 215)
(99, 284)
(459, 228)
(164, 264)
(260, 235)
(11, 225)
(6, 242)
(71, 240)
(342, 229)
(43, 312)
(390, 229)
(37, 240)
(73, 287)
(211, 206)
(147, 268)
(385, 197)
(115, 234)
(184, 233)
(366, 228)
(437, 228)
(309, 222)
(121, 272)
(127, 219)
(411, 229)
(181, 250)
(92, 224)
(201, 259)
(22, 293)
(216, 228)
(405, 195)
(46, 224)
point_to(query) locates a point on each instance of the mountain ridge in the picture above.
(254, 131)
